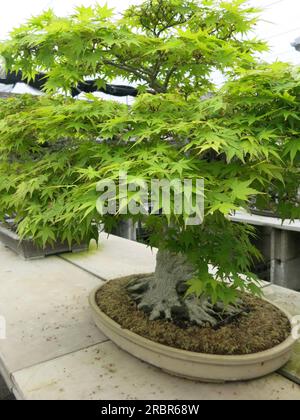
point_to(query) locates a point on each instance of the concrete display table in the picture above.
(54, 351)
(280, 244)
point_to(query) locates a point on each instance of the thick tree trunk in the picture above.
(162, 296)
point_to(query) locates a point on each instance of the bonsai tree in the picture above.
(56, 150)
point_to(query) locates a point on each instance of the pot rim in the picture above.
(137, 339)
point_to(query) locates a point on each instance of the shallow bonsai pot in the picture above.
(29, 251)
(192, 365)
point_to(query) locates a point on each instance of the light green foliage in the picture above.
(242, 140)
(161, 44)
(264, 110)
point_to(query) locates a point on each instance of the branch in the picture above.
(168, 76)
(122, 66)
(143, 74)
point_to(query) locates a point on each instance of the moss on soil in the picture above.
(264, 327)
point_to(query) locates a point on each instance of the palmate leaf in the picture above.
(196, 286)
(223, 207)
(292, 149)
(240, 190)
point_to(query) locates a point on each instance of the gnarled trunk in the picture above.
(162, 296)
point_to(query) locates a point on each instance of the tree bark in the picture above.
(162, 296)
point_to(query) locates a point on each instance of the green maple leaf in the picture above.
(292, 148)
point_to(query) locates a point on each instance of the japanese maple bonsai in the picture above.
(176, 130)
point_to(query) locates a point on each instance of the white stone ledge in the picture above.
(273, 222)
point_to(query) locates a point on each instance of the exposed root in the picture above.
(152, 299)
(168, 303)
(139, 286)
(162, 296)
(201, 311)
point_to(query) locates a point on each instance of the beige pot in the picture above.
(191, 365)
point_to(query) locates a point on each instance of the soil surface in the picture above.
(264, 327)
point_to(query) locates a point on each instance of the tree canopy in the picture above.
(242, 140)
(165, 45)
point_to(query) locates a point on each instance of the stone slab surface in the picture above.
(290, 301)
(46, 309)
(54, 351)
(257, 220)
(115, 257)
(104, 372)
